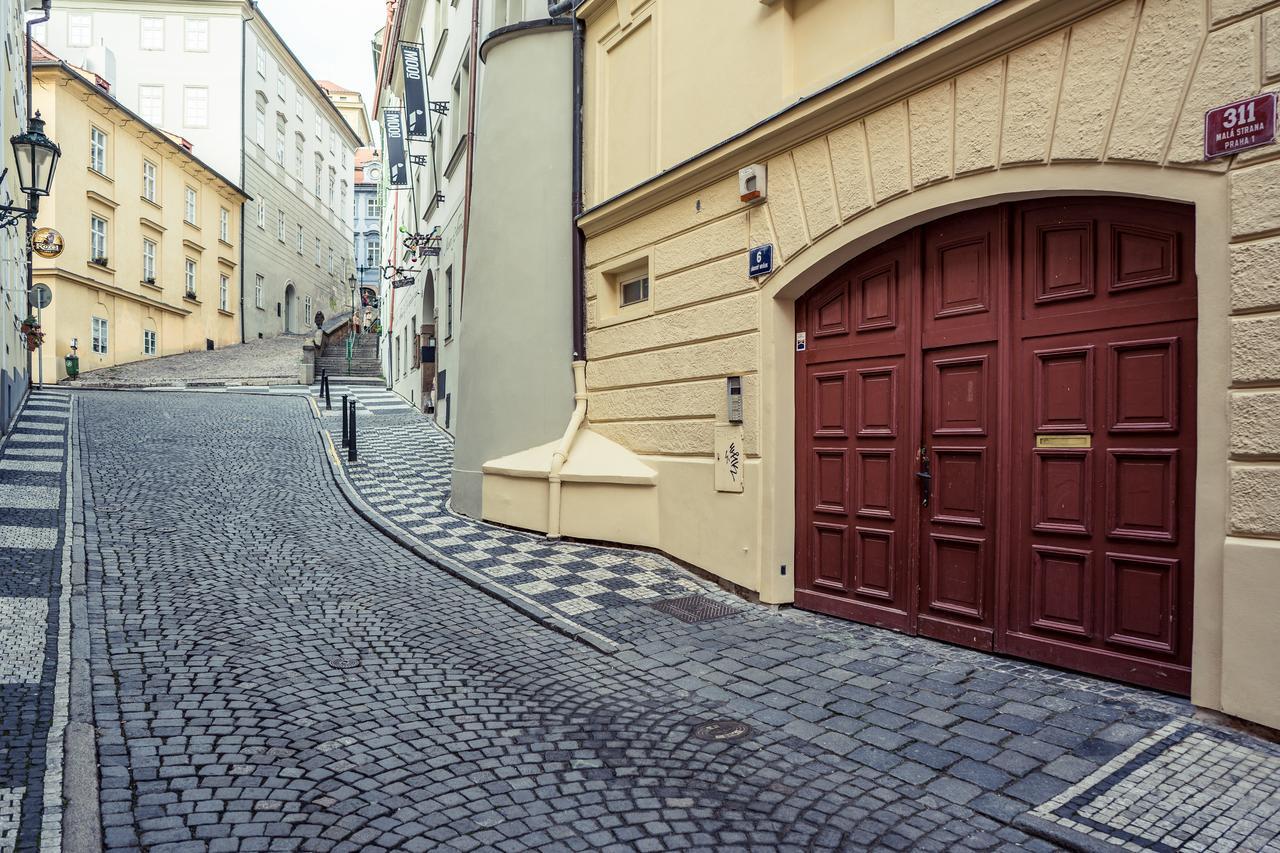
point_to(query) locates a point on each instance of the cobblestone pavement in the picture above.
(32, 712)
(269, 673)
(275, 359)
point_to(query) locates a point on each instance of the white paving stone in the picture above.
(31, 465)
(28, 497)
(21, 438)
(29, 426)
(23, 623)
(10, 812)
(14, 536)
(35, 451)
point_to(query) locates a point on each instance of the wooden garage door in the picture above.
(996, 436)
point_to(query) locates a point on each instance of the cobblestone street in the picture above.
(270, 672)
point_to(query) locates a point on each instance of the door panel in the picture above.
(1037, 362)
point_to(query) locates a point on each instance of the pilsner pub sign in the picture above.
(1240, 126)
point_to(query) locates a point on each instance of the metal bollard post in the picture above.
(351, 445)
(324, 388)
(344, 420)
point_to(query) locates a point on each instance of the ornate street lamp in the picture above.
(37, 157)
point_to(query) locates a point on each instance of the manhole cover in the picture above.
(694, 608)
(722, 730)
(344, 661)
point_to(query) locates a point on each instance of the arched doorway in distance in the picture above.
(290, 300)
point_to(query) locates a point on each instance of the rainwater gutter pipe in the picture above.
(561, 454)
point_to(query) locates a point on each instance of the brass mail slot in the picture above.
(1064, 441)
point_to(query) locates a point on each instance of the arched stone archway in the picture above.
(290, 308)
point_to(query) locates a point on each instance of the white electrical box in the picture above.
(751, 182)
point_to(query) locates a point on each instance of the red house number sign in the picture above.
(1240, 126)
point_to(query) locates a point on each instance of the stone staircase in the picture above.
(364, 357)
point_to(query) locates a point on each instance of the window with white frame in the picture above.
(319, 254)
(262, 214)
(224, 225)
(280, 84)
(261, 59)
(371, 209)
(189, 212)
(342, 197)
(319, 125)
(224, 292)
(148, 261)
(506, 12)
(191, 278)
(257, 291)
(97, 151)
(299, 148)
(99, 336)
(152, 33)
(280, 225)
(333, 139)
(458, 100)
(330, 259)
(195, 106)
(633, 291)
(333, 183)
(306, 311)
(196, 34)
(260, 125)
(148, 342)
(299, 105)
(372, 251)
(97, 240)
(151, 104)
(280, 135)
(79, 30)
(319, 174)
(149, 180)
(300, 239)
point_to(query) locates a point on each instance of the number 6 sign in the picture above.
(1240, 126)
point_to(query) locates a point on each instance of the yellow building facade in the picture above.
(874, 120)
(151, 260)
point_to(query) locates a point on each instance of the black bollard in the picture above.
(344, 420)
(351, 444)
(324, 388)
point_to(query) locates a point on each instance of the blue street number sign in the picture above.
(761, 261)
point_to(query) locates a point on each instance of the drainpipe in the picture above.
(33, 202)
(244, 58)
(473, 81)
(561, 454)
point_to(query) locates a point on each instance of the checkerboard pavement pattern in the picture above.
(1184, 787)
(404, 471)
(32, 514)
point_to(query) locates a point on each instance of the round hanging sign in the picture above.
(47, 243)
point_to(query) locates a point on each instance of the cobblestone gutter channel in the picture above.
(270, 672)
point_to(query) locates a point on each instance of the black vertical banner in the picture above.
(415, 92)
(397, 164)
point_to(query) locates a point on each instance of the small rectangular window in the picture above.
(224, 292)
(262, 214)
(196, 34)
(195, 106)
(300, 239)
(190, 211)
(634, 291)
(149, 261)
(99, 335)
(257, 291)
(79, 30)
(280, 226)
(224, 225)
(148, 342)
(149, 180)
(152, 33)
(97, 151)
(151, 104)
(191, 279)
(98, 240)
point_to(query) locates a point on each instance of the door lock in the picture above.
(925, 477)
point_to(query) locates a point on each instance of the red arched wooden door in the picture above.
(996, 436)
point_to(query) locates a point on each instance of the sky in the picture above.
(331, 37)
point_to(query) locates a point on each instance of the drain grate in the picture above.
(344, 661)
(722, 730)
(694, 608)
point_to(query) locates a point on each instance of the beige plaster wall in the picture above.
(1111, 103)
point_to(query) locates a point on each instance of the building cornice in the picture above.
(94, 284)
(988, 32)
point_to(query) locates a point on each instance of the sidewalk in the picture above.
(33, 623)
(989, 747)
